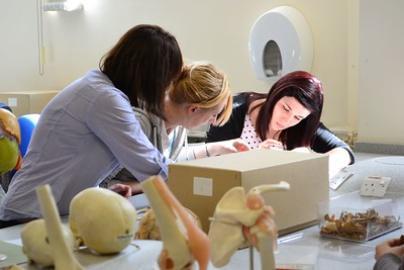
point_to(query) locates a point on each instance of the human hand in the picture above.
(226, 147)
(240, 145)
(302, 150)
(394, 246)
(264, 225)
(271, 144)
(121, 189)
(397, 241)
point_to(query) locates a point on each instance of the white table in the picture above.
(304, 247)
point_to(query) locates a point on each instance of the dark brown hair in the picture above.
(143, 64)
(307, 89)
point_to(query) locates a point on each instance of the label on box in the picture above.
(203, 186)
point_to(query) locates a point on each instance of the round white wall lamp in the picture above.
(280, 42)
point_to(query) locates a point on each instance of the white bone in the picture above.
(231, 214)
(102, 219)
(183, 240)
(36, 245)
(281, 186)
(172, 232)
(62, 254)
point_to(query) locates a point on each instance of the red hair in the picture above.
(308, 90)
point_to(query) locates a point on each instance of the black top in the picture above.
(323, 142)
(4, 106)
(389, 261)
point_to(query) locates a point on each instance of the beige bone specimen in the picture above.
(102, 219)
(36, 244)
(62, 253)
(240, 218)
(183, 240)
(148, 229)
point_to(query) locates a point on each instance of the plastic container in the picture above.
(358, 222)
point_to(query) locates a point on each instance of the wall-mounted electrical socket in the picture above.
(337, 181)
(375, 186)
(12, 102)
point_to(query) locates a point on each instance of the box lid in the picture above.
(251, 160)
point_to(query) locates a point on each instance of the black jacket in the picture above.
(324, 139)
(389, 261)
(4, 106)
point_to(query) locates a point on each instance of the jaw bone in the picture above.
(182, 239)
(62, 254)
(241, 218)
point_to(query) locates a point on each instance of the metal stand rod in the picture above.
(251, 250)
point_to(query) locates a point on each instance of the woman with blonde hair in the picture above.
(201, 95)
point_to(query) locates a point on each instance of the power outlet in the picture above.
(337, 181)
(12, 102)
(375, 186)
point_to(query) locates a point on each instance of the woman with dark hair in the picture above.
(89, 131)
(287, 118)
(143, 64)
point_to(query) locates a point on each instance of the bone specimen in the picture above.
(148, 229)
(242, 218)
(62, 254)
(102, 219)
(36, 244)
(183, 240)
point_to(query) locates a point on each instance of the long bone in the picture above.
(182, 239)
(63, 256)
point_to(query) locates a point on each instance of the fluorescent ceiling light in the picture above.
(69, 5)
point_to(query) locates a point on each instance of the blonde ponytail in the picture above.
(203, 85)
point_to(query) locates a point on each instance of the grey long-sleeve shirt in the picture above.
(84, 134)
(389, 261)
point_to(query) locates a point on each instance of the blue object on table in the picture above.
(27, 124)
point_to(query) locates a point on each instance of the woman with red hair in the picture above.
(287, 118)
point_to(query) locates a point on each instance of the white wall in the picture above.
(381, 72)
(214, 30)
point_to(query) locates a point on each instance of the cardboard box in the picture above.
(27, 102)
(200, 184)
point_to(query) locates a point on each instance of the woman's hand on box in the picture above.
(226, 147)
(394, 246)
(272, 144)
(302, 150)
